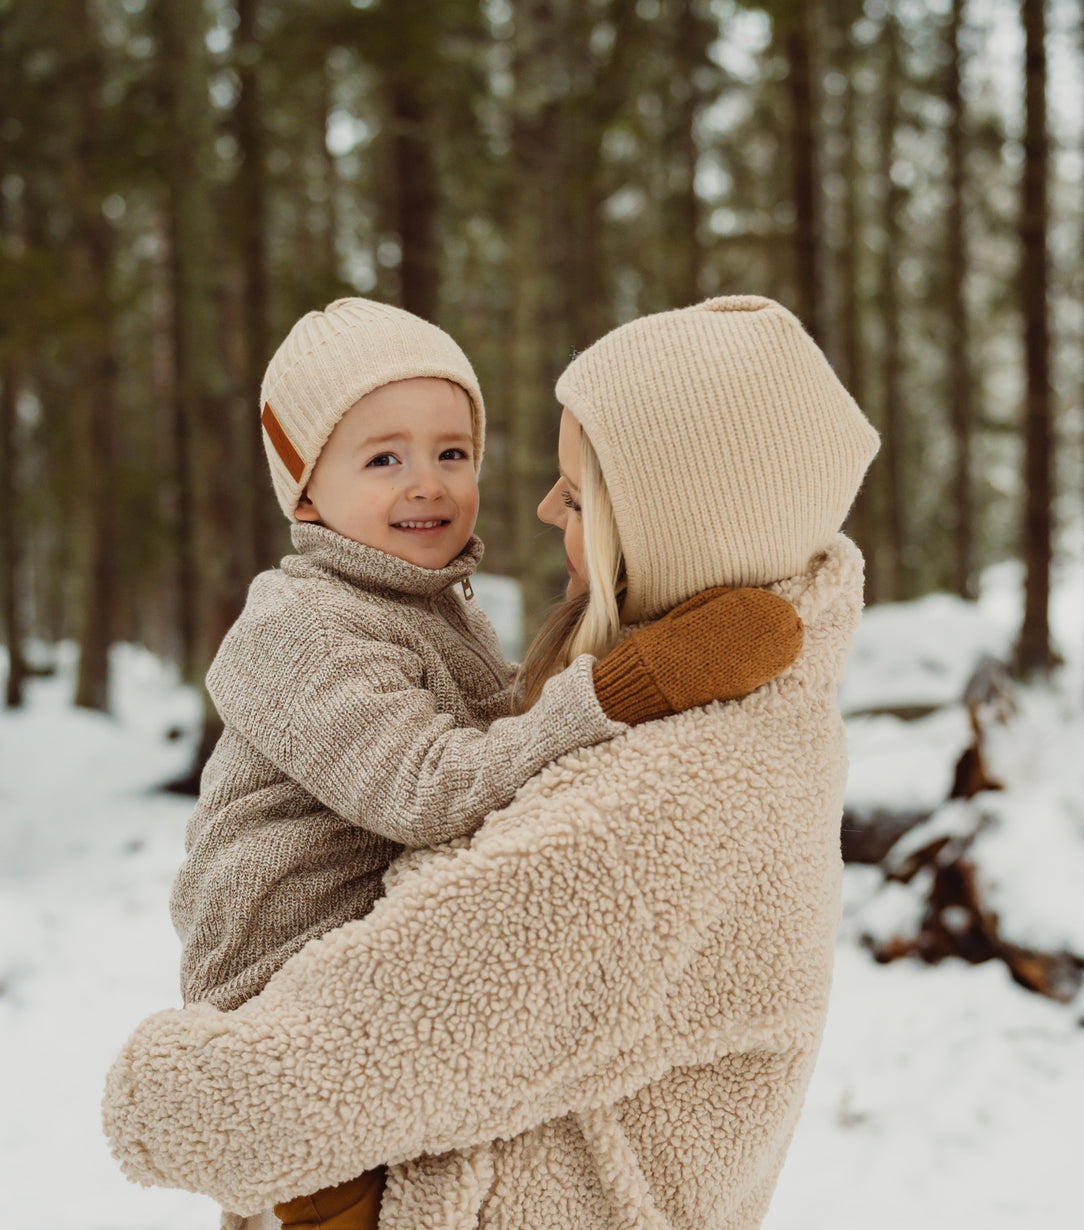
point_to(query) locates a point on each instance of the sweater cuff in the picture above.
(625, 689)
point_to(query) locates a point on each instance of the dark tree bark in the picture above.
(401, 41)
(11, 526)
(328, 258)
(185, 592)
(212, 585)
(862, 523)
(417, 203)
(95, 400)
(892, 582)
(804, 167)
(1033, 650)
(598, 94)
(252, 197)
(186, 230)
(582, 118)
(684, 252)
(536, 299)
(959, 332)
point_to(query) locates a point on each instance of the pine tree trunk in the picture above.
(598, 95)
(959, 334)
(536, 297)
(328, 259)
(585, 297)
(684, 252)
(892, 580)
(11, 526)
(187, 231)
(416, 198)
(1033, 650)
(94, 402)
(99, 457)
(213, 582)
(183, 531)
(805, 176)
(862, 524)
(252, 197)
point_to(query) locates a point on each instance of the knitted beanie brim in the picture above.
(330, 360)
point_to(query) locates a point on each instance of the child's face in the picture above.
(397, 473)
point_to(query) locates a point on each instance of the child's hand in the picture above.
(719, 645)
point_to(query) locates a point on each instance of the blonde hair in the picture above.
(591, 622)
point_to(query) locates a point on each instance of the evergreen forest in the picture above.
(181, 179)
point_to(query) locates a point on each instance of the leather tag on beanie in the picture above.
(288, 455)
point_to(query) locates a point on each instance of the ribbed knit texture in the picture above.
(622, 681)
(720, 645)
(755, 449)
(331, 359)
(366, 709)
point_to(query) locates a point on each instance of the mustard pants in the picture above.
(354, 1205)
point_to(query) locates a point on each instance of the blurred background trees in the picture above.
(179, 180)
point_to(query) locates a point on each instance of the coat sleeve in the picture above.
(350, 720)
(487, 993)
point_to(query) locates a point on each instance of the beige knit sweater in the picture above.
(601, 1014)
(366, 709)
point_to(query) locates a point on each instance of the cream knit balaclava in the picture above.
(330, 360)
(731, 451)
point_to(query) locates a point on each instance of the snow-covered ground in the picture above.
(944, 1096)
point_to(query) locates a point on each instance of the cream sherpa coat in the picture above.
(600, 1014)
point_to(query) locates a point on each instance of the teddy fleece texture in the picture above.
(600, 1012)
(366, 708)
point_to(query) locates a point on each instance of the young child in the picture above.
(367, 705)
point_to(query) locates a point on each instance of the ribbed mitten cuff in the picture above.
(354, 1205)
(625, 688)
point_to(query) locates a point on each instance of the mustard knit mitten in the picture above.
(721, 644)
(354, 1205)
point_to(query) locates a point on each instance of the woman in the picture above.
(601, 1011)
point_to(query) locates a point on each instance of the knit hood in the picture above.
(731, 450)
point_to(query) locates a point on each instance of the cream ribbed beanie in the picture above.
(330, 360)
(731, 451)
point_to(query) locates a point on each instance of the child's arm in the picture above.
(353, 724)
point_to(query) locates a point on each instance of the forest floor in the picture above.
(945, 1095)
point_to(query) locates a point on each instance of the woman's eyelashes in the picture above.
(569, 501)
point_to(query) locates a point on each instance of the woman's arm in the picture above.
(483, 996)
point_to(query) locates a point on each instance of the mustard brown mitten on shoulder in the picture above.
(354, 1205)
(721, 644)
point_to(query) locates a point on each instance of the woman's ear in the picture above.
(306, 510)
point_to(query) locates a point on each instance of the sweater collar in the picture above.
(323, 552)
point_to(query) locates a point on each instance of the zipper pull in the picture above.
(468, 593)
